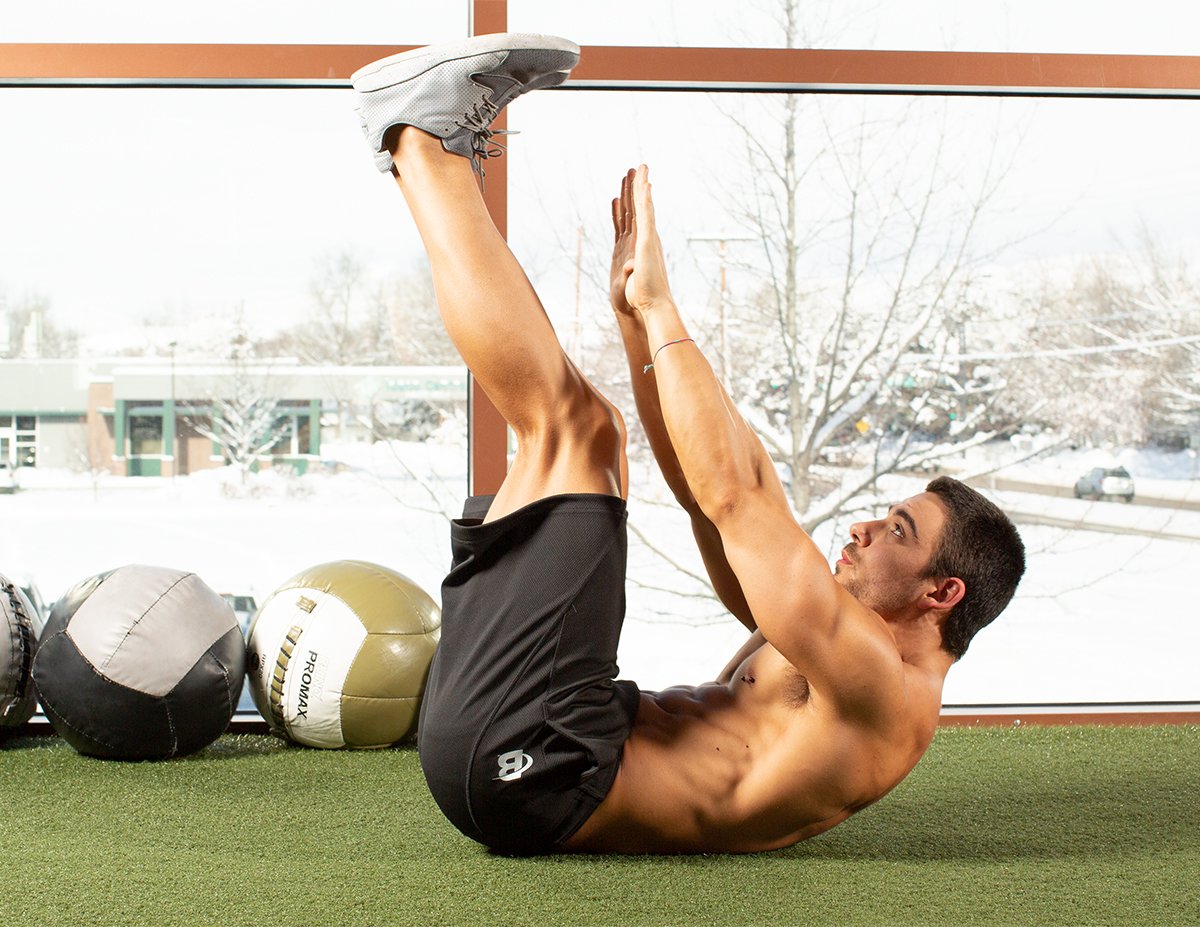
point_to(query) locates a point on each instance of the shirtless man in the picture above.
(527, 742)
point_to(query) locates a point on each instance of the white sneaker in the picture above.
(455, 90)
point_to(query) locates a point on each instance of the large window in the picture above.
(1034, 255)
(146, 434)
(18, 440)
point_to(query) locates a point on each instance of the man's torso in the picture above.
(754, 761)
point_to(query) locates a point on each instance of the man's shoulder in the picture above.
(896, 702)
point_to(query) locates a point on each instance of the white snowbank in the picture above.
(1101, 616)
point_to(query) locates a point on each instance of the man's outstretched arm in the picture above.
(645, 393)
(843, 647)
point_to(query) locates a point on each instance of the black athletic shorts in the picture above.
(522, 724)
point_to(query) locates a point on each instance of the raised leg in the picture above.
(569, 437)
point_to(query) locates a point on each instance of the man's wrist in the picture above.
(658, 307)
(662, 319)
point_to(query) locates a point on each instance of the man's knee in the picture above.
(594, 425)
(611, 427)
(584, 422)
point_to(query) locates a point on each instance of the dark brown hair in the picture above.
(980, 546)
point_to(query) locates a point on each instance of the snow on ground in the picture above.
(238, 537)
(1101, 616)
(1098, 618)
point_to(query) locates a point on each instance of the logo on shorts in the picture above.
(513, 764)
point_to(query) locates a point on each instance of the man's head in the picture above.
(947, 553)
(980, 545)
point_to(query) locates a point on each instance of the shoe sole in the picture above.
(387, 72)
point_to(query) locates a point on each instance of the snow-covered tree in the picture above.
(242, 415)
(848, 356)
(410, 304)
(28, 329)
(1111, 353)
(341, 326)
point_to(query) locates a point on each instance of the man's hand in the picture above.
(638, 280)
(623, 245)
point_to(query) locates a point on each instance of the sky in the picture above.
(135, 212)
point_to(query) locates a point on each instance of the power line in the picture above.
(1057, 352)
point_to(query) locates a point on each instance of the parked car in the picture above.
(8, 479)
(1105, 483)
(243, 606)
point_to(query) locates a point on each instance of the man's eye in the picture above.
(897, 530)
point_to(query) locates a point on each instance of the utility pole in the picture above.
(722, 242)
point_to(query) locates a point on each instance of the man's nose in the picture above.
(860, 534)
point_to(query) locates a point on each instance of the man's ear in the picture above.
(945, 595)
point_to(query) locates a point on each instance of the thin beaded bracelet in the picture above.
(650, 366)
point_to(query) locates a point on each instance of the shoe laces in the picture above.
(478, 122)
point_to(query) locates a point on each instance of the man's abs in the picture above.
(752, 764)
(698, 774)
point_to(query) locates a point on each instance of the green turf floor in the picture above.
(1073, 826)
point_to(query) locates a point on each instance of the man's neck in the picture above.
(919, 641)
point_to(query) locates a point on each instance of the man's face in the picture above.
(883, 564)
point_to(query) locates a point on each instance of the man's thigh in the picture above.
(522, 720)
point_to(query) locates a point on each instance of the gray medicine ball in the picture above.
(140, 663)
(17, 646)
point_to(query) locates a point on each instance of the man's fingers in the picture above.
(644, 210)
(623, 208)
(644, 204)
(624, 199)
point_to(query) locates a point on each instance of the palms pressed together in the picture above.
(638, 278)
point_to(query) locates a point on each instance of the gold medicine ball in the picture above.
(338, 655)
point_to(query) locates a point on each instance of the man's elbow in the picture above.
(730, 500)
(732, 485)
